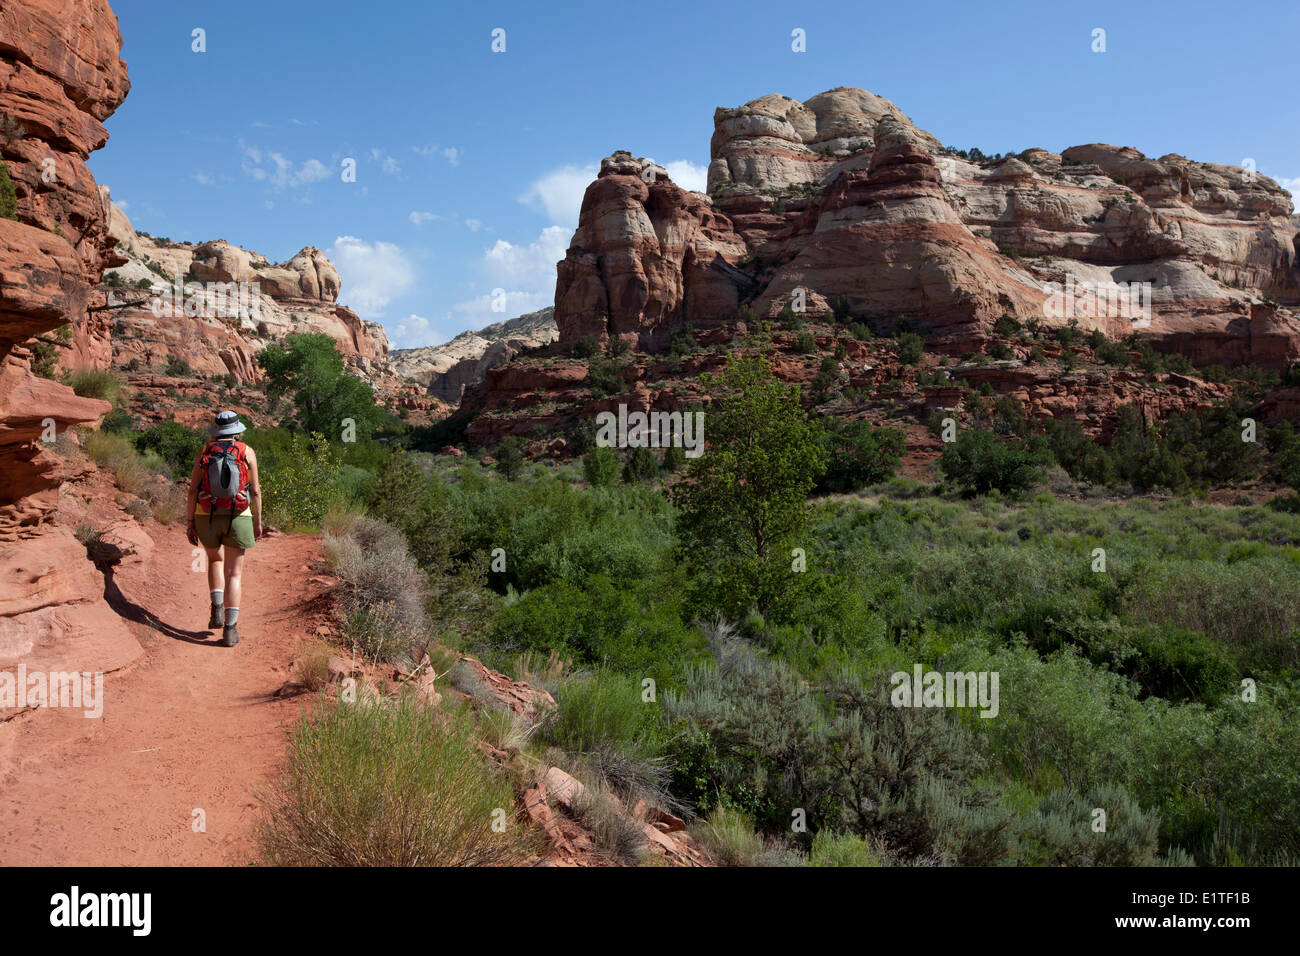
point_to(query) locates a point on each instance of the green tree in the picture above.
(600, 467)
(421, 508)
(509, 458)
(642, 465)
(308, 366)
(859, 455)
(910, 348)
(743, 502)
(978, 462)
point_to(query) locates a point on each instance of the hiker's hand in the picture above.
(257, 527)
(192, 533)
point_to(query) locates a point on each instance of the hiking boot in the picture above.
(216, 619)
(229, 636)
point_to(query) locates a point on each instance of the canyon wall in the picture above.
(843, 197)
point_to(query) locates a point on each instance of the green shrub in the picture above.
(509, 458)
(300, 485)
(388, 785)
(978, 462)
(176, 445)
(8, 195)
(96, 383)
(586, 347)
(600, 467)
(642, 465)
(910, 348)
(860, 455)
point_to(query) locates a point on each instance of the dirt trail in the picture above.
(190, 725)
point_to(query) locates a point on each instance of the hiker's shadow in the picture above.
(128, 609)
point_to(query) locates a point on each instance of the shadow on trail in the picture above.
(125, 607)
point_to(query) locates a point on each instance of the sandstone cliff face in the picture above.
(446, 370)
(60, 77)
(647, 254)
(216, 332)
(844, 197)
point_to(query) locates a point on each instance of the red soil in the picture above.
(190, 725)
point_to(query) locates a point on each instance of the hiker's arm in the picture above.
(254, 493)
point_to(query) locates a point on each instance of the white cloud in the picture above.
(277, 170)
(452, 154)
(478, 312)
(371, 274)
(312, 171)
(413, 332)
(473, 225)
(121, 204)
(386, 162)
(420, 218)
(425, 150)
(558, 194)
(531, 266)
(687, 175)
(525, 273)
(202, 178)
(1292, 185)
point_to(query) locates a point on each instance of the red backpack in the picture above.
(223, 480)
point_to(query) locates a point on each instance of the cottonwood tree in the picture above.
(743, 503)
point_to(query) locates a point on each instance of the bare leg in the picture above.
(216, 574)
(234, 567)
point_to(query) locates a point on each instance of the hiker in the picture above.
(225, 509)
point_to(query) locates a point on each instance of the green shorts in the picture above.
(216, 530)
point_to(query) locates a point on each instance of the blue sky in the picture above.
(470, 165)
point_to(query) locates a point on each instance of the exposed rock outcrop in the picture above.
(220, 331)
(647, 255)
(60, 77)
(842, 196)
(446, 370)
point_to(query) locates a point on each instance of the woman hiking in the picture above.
(225, 509)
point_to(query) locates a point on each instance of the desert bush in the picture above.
(509, 458)
(978, 462)
(910, 348)
(385, 784)
(728, 837)
(841, 849)
(381, 590)
(600, 467)
(301, 484)
(96, 383)
(860, 455)
(115, 453)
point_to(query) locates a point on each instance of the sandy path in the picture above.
(191, 725)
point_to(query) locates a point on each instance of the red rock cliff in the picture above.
(60, 78)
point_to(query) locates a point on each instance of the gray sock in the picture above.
(232, 615)
(217, 596)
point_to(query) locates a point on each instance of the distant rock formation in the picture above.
(844, 198)
(446, 370)
(223, 330)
